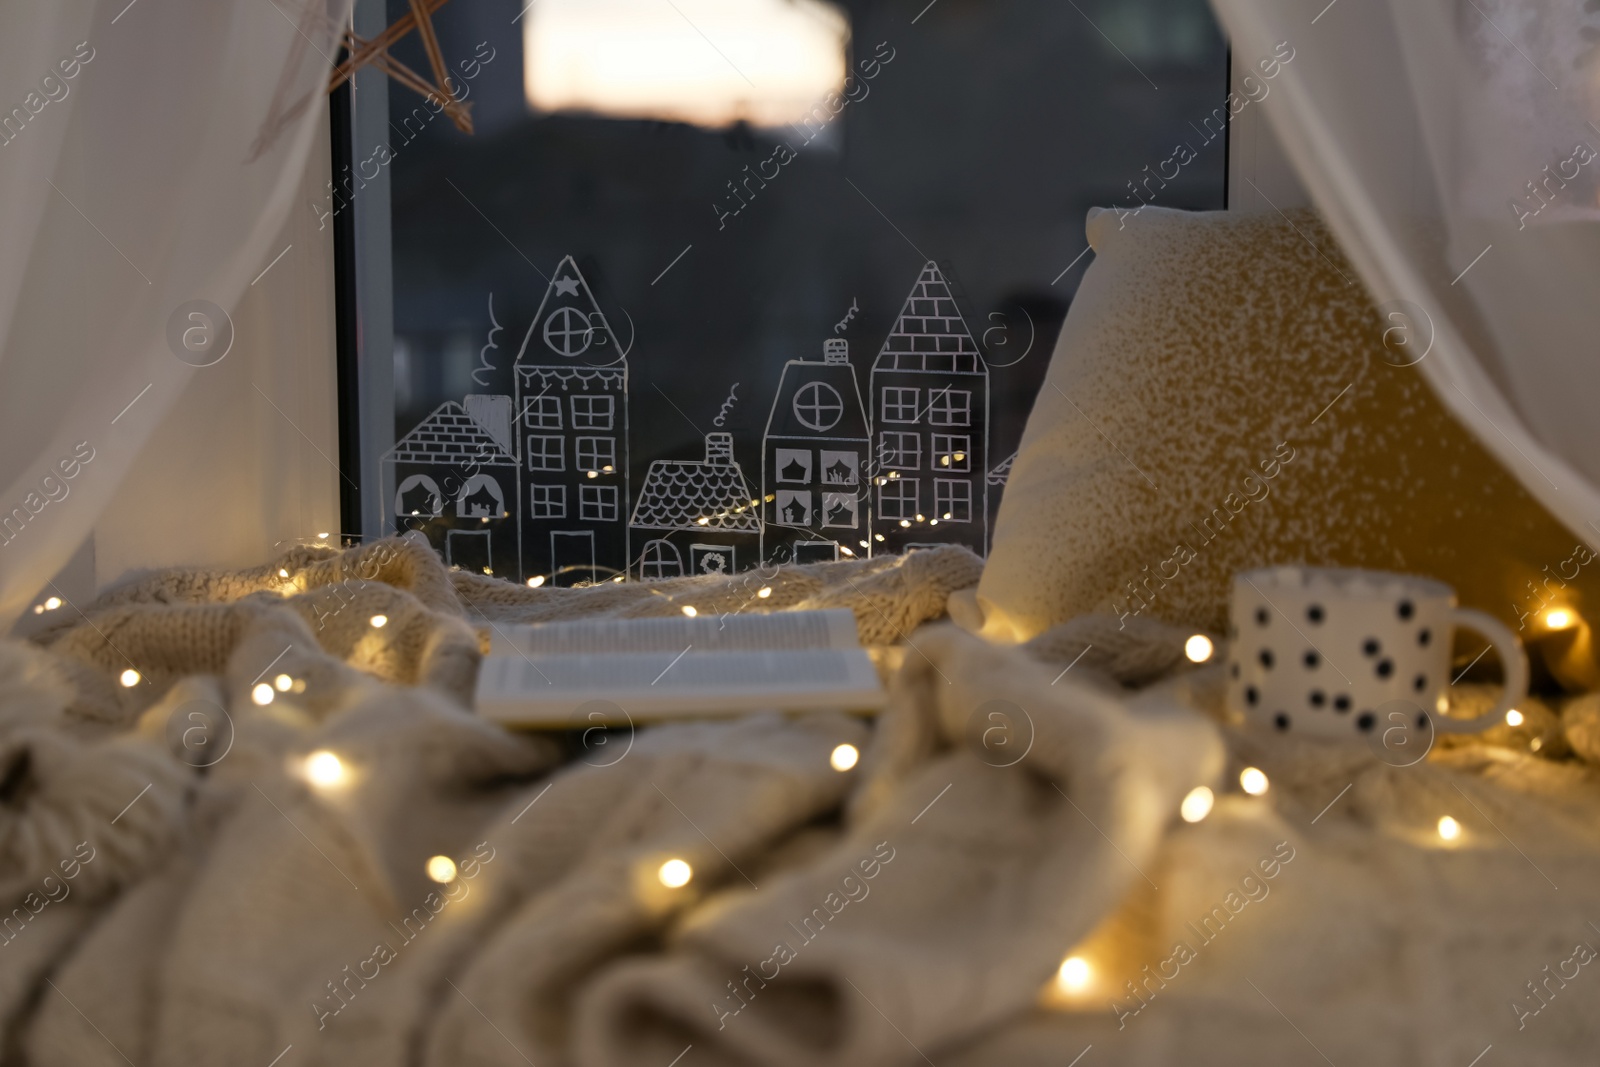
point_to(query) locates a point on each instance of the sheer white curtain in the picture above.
(1454, 147)
(150, 153)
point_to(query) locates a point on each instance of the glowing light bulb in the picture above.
(846, 550)
(905, 522)
(129, 678)
(262, 694)
(764, 592)
(1253, 781)
(324, 769)
(1559, 619)
(690, 610)
(921, 519)
(844, 757)
(1449, 829)
(283, 572)
(877, 537)
(675, 874)
(323, 536)
(702, 522)
(1513, 717)
(864, 544)
(283, 683)
(536, 581)
(52, 603)
(1074, 974)
(379, 621)
(441, 869)
(1536, 744)
(594, 474)
(1197, 805)
(618, 578)
(1198, 648)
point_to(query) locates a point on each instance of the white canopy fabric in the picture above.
(1454, 148)
(149, 153)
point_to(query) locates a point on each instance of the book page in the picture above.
(778, 631)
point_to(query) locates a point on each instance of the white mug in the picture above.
(1321, 651)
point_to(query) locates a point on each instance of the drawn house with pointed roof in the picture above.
(696, 516)
(814, 457)
(452, 479)
(930, 409)
(571, 425)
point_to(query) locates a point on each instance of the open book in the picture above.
(560, 675)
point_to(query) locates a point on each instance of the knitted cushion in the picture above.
(1222, 397)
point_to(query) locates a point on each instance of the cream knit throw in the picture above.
(908, 910)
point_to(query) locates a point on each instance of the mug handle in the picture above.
(1513, 661)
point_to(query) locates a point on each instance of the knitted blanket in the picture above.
(224, 800)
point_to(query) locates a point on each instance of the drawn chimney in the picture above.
(836, 350)
(719, 448)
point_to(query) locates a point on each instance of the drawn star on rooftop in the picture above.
(566, 286)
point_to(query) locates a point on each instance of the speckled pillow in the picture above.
(1220, 399)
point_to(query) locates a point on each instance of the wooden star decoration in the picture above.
(375, 53)
(360, 52)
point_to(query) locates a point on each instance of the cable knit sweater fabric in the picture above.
(183, 890)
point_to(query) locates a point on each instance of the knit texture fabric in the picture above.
(191, 883)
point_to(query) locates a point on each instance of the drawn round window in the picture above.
(568, 332)
(817, 406)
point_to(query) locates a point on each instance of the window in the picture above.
(952, 452)
(744, 288)
(597, 454)
(952, 499)
(597, 503)
(818, 406)
(899, 498)
(661, 559)
(591, 412)
(899, 404)
(950, 407)
(542, 412)
(899, 451)
(547, 501)
(547, 453)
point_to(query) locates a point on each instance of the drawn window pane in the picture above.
(899, 404)
(418, 495)
(952, 452)
(592, 412)
(793, 464)
(952, 499)
(899, 451)
(568, 332)
(481, 498)
(597, 454)
(840, 468)
(818, 406)
(547, 453)
(547, 501)
(661, 559)
(950, 407)
(543, 413)
(597, 503)
(841, 509)
(899, 498)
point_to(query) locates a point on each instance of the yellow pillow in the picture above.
(1221, 398)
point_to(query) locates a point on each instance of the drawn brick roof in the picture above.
(930, 334)
(678, 494)
(446, 435)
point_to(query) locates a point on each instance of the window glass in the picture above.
(717, 278)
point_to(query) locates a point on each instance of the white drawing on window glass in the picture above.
(794, 465)
(817, 406)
